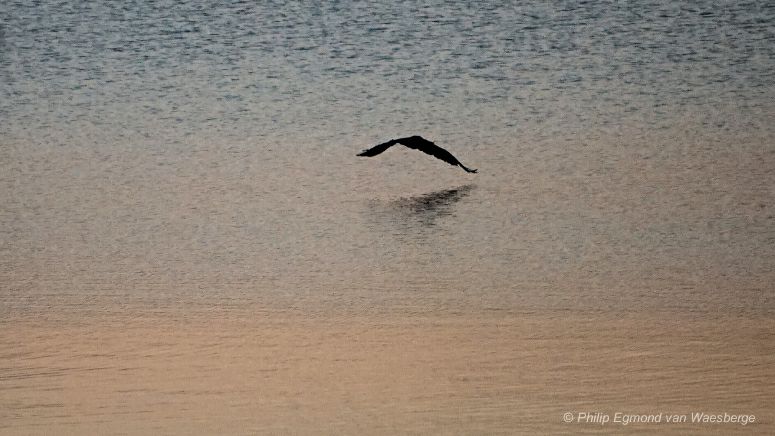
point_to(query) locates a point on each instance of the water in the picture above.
(189, 169)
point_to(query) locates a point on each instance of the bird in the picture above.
(418, 143)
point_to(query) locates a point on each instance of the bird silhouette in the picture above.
(417, 143)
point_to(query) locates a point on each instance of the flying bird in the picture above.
(417, 143)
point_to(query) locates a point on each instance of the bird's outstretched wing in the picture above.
(417, 143)
(428, 147)
(377, 149)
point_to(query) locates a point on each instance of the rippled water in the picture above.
(195, 161)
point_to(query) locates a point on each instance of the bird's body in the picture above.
(417, 143)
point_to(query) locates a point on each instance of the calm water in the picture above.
(195, 161)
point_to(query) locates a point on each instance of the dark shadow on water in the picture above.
(429, 207)
(417, 214)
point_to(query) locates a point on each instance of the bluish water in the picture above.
(347, 72)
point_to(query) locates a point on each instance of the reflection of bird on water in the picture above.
(417, 143)
(422, 209)
(434, 202)
(412, 219)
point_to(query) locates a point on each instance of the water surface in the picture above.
(169, 166)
